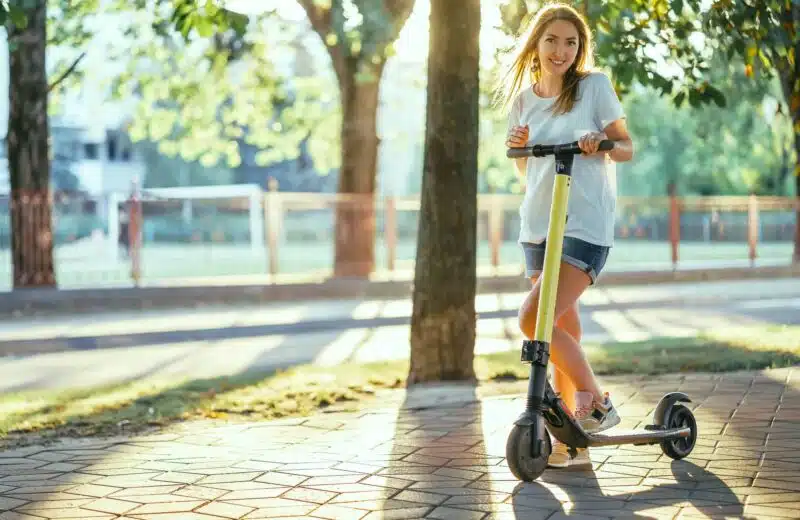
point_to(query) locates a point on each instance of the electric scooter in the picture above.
(528, 446)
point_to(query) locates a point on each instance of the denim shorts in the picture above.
(589, 258)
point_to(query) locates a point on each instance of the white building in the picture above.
(97, 153)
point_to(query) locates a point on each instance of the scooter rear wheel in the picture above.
(518, 453)
(680, 416)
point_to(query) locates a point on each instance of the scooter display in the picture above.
(528, 445)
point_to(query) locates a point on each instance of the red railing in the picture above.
(146, 238)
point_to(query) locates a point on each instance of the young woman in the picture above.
(567, 101)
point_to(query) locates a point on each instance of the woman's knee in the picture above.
(571, 285)
(526, 317)
(570, 322)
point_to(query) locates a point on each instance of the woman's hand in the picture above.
(518, 137)
(590, 142)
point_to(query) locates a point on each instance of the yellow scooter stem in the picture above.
(552, 259)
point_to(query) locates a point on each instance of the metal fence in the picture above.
(201, 236)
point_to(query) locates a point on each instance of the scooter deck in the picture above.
(612, 438)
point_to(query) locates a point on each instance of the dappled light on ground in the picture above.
(430, 452)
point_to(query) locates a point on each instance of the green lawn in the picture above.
(94, 264)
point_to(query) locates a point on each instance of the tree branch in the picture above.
(399, 10)
(320, 19)
(67, 72)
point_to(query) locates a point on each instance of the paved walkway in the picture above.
(434, 453)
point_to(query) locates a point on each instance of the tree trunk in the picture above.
(796, 255)
(355, 211)
(443, 316)
(789, 74)
(28, 153)
(355, 214)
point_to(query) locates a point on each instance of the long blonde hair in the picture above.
(526, 57)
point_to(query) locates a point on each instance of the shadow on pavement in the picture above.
(305, 321)
(448, 461)
(577, 493)
(438, 446)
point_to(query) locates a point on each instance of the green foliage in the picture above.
(206, 79)
(201, 98)
(13, 12)
(205, 17)
(201, 94)
(765, 34)
(709, 150)
(654, 43)
(677, 75)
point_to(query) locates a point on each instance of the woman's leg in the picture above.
(571, 323)
(565, 352)
(560, 457)
(594, 410)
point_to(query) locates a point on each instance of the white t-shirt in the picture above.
(592, 199)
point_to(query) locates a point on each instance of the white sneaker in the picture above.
(581, 458)
(561, 457)
(594, 416)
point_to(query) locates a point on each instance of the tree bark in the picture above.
(443, 316)
(790, 83)
(355, 211)
(28, 152)
(796, 254)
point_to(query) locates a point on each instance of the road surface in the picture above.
(117, 347)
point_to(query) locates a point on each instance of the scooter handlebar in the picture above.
(541, 150)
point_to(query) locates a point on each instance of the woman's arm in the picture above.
(521, 163)
(623, 144)
(617, 132)
(518, 138)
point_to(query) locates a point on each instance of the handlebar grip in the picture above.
(515, 153)
(606, 145)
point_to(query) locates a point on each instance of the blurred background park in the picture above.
(189, 143)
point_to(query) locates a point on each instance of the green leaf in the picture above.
(17, 17)
(204, 26)
(716, 95)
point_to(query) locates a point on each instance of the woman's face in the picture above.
(558, 47)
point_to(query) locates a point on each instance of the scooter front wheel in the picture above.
(518, 453)
(679, 416)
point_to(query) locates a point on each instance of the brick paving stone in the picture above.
(254, 493)
(8, 503)
(57, 502)
(145, 490)
(297, 511)
(110, 505)
(177, 516)
(225, 510)
(11, 515)
(448, 513)
(438, 462)
(73, 512)
(398, 514)
(166, 507)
